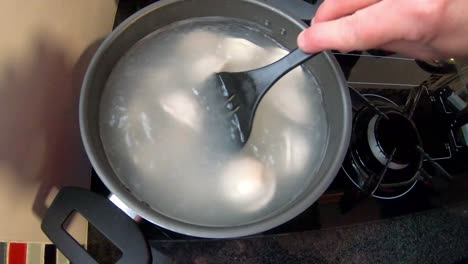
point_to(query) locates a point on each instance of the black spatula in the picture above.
(246, 89)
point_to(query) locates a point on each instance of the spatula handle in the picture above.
(292, 60)
(279, 68)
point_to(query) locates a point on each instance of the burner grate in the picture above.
(385, 156)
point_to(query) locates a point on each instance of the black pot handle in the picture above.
(104, 216)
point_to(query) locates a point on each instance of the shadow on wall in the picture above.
(40, 138)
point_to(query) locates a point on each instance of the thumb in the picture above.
(305, 42)
(326, 36)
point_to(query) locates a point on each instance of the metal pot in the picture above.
(324, 67)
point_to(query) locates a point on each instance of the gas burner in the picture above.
(383, 159)
(395, 131)
(385, 155)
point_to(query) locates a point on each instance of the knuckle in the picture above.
(357, 35)
(428, 17)
(429, 12)
(330, 2)
(325, 9)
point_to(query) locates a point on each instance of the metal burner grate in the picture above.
(379, 164)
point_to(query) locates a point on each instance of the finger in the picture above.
(367, 28)
(333, 9)
(413, 50)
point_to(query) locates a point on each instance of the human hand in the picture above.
(423, 29)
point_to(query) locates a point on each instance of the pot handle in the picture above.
(114, 224)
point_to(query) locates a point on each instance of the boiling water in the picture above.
(167, 136)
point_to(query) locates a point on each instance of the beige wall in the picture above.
(44, 50)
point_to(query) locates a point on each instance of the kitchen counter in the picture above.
(434, 236)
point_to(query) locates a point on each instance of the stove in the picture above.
(407, 147)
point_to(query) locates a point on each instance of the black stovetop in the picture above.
(343, 204)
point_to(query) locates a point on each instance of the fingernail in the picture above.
(301, 40)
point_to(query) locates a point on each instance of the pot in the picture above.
(110, 220)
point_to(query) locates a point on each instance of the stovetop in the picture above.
(380, 74)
